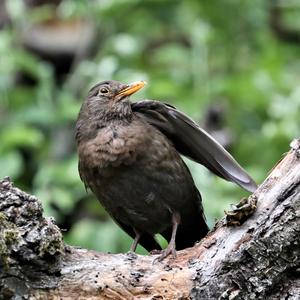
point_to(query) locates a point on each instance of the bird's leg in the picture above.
(171, 249)
(136, 240)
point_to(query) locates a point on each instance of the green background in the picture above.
(235, 56)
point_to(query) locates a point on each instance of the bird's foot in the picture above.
(240, 213)
(170, 250)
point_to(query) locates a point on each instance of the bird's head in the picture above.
(107, 101)
(111, 97)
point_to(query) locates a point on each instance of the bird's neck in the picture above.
(120, 112)
(90, 120)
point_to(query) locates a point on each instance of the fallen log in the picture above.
(259, 259)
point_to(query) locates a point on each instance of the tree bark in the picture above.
(259, 259)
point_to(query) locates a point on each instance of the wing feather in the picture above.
(194, 142)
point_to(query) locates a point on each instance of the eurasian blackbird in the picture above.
(129, 156)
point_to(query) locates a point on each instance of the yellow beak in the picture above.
(132, 88)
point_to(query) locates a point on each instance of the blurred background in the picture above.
(234, 66)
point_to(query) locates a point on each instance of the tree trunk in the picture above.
(259, 259)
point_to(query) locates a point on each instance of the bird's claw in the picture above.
(165, 253)
(240, 213)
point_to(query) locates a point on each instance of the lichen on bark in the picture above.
(27, 239)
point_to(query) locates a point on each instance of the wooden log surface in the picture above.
(259, 259)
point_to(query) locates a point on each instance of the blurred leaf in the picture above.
(67, 109)
(17, 136)
(95, 235)
(58, 172)
(10, 164)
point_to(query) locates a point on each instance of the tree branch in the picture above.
(259, 259)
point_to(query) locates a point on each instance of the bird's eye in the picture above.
(104, 90)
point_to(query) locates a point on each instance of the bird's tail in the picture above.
(190, 231)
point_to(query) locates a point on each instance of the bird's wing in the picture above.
(192, 141)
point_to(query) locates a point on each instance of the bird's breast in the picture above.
(114, 145)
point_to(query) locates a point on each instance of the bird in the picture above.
(130, 157)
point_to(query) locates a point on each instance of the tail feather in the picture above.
(149, 242)
(189, 234)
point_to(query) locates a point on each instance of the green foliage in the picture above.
(192, 53)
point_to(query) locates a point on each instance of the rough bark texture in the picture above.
(258, 260)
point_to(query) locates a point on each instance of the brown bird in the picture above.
(129, 156)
